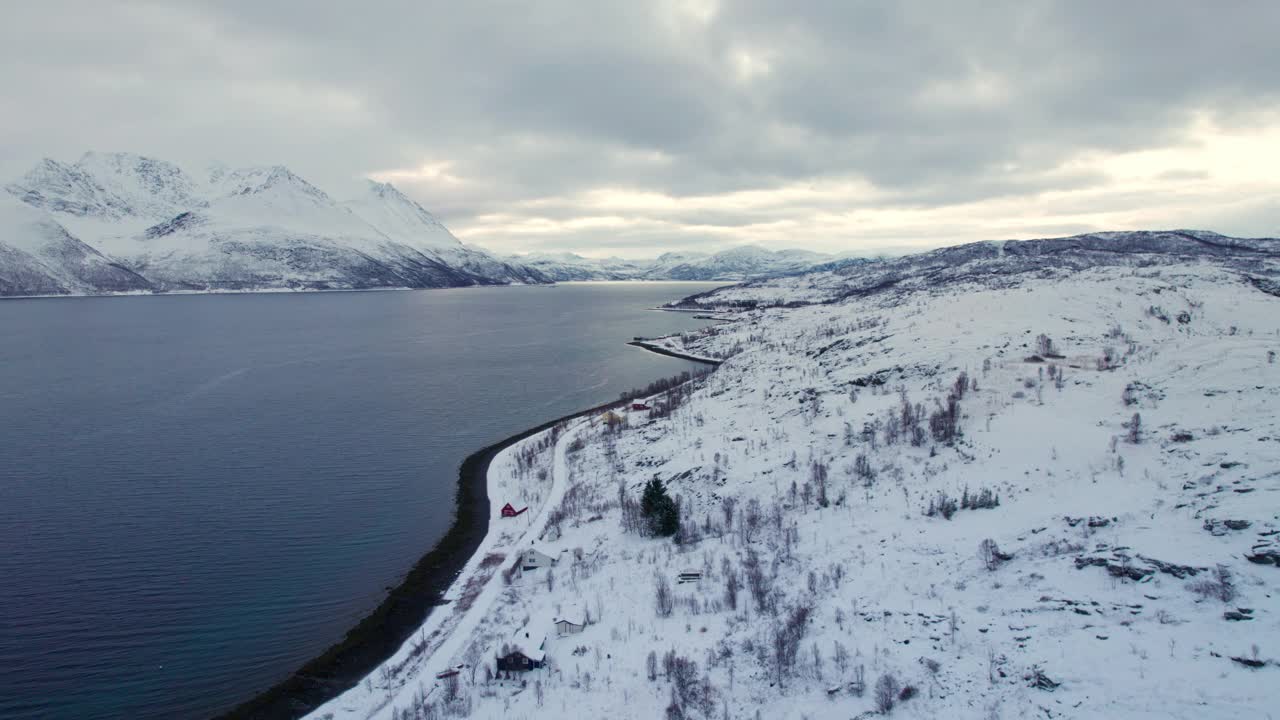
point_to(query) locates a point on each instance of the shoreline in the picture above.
(407, 606)
(302, 291)
(673, 353)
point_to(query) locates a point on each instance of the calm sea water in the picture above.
(200, 493)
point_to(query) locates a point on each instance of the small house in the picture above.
(510, 512)
(531, 559)
(525, 651)
(572, 622)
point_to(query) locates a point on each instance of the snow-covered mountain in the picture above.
(406, 222)
(39, 257)
(1001, 480)
(1004, 262)
(236, 229)
(735, 264)
(565, 267)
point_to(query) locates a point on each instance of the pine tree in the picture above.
(661, 511)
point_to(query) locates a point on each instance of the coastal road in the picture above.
(449, 633)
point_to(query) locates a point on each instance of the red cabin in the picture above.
(508, 511)
(639, 406)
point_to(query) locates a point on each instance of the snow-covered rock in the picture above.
(243, 229)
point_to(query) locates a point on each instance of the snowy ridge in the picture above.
(257, 228)
(735, 264)
(1042, 493)
(1002, 264)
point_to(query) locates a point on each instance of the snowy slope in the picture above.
(1122, 413)
(39, 257)
(249, 228)
(406, 222)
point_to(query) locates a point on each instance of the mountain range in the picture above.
(746, 262)
(116, 222)
(1006, 263)
(120, 223)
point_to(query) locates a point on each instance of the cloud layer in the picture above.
(636, 128)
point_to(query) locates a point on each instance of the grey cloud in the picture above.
(933, 102)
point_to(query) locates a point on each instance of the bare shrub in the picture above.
(1220, 587)
(1044, 346)
(886, 693)
(990, 554)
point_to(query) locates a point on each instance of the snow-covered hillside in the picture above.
(406, 222)
(239, 229)
(734, 264)
(39, 257)
(984, 489)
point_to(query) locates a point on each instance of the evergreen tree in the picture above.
(659, 509)
(654, 491)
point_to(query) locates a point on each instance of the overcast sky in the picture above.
(634, 128)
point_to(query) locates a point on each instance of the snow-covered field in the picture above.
(1115, 426)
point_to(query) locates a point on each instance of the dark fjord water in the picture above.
(200, 493)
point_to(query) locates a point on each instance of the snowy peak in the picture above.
(108, 186)
(276, 179)
(397, 216)
(739, 263)
(232, 229)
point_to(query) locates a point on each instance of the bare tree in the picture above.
(990, 554)
(818, 472)
(1044, 346)
(787, 636)
(863, 470)
(886, 693)
(758, 582)
(1135, 429)
(841, 657)
(664, 603)
(726, 505)
(731, 586)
